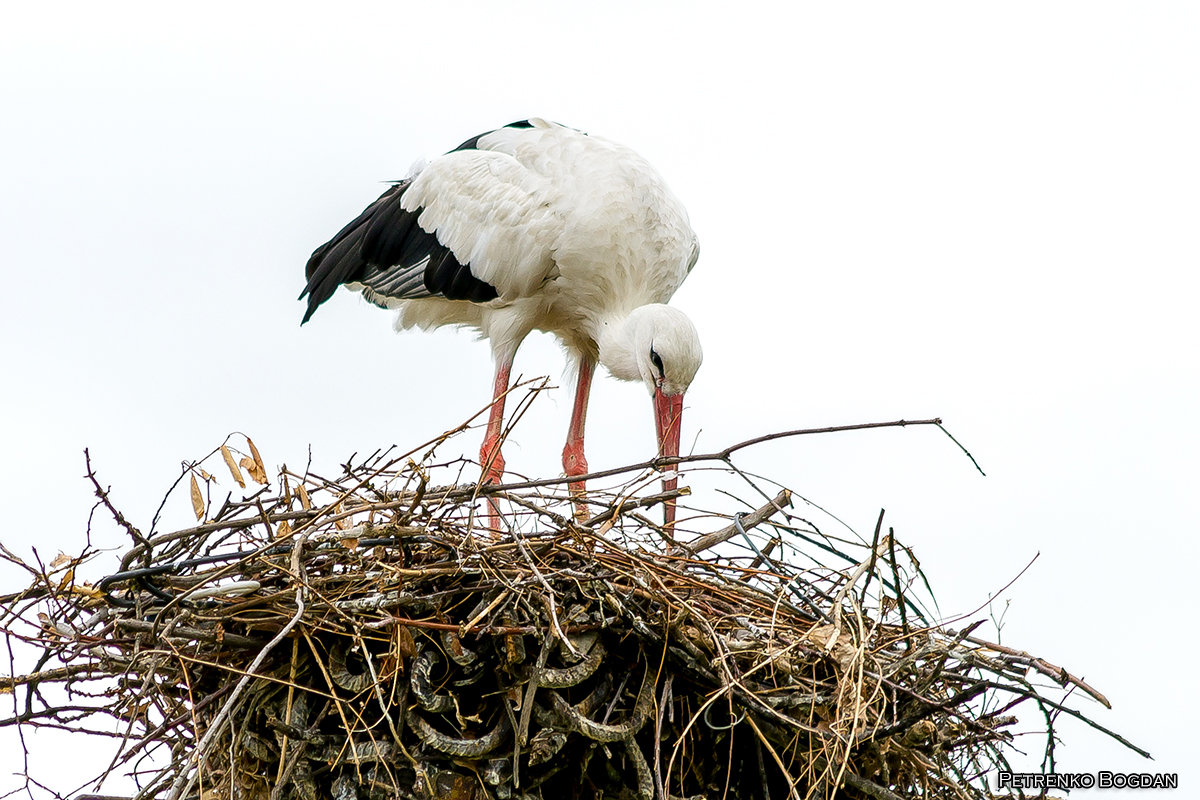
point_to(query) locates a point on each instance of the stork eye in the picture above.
(656, 360)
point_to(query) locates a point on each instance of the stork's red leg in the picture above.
(490, 457)
(574, 462)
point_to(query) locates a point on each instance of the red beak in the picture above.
(668, 419)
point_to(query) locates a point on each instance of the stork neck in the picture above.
(616, 341)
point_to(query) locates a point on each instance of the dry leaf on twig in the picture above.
(233, 467)
(67, 579)
(256, 472)
(260, 473)
(197, 499)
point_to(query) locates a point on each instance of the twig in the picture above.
(720, 455)
(1051, 671)
(780, 501)
(102, 494)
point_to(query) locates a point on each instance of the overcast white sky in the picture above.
(986, 213)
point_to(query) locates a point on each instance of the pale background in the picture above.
(985, 213)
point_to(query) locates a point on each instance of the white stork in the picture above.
(534, 226)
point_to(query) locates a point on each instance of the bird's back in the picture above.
(535, 214)
(623, 239)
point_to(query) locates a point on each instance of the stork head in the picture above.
(659, 346)
(668, 352)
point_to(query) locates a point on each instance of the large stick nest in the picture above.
(364, 637)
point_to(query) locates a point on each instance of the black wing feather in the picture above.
(386, 250)
(387, 232)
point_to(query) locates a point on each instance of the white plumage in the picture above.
(534, 226)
